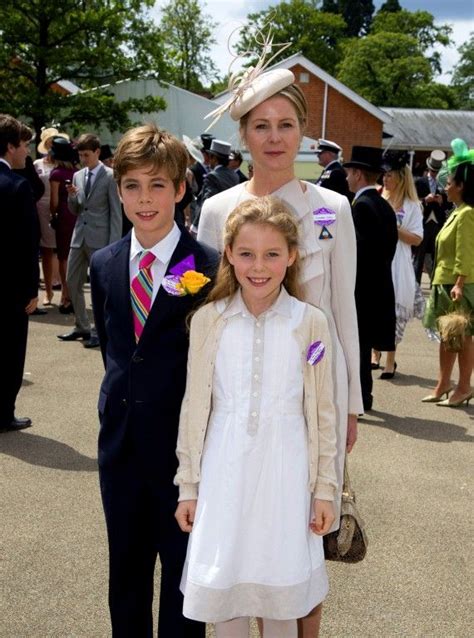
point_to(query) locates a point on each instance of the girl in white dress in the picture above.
(257, 436)
(400, 192)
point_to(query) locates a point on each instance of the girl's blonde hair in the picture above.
(268, 211)
(404, 189)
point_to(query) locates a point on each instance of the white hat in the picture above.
(260, 89)
(193, 150)
(327, 145)
(47, 134)
(218, 147)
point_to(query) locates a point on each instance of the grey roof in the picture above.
(426, 129)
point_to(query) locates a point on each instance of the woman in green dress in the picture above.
(453, 280)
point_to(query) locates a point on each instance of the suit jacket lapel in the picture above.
(99, 175)
(120, 287)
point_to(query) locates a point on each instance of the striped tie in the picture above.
(141, 292)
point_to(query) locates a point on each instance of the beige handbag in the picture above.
(349, 543)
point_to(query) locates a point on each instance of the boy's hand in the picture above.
(323, 517)
(184, 514)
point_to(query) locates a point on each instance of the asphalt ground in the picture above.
(411, 469)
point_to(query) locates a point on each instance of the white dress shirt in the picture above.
(163, 251)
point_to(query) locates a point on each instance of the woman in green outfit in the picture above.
(453, 280)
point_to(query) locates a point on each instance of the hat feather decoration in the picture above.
(243, 79)
(461, 154)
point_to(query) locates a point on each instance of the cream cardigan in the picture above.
(318, 405)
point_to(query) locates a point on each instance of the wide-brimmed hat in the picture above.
(368, 158)
(435, 160)
(220, 148)
(62, 150)
(47, 134)
(192, 148)
(395, 160)
(327, 145)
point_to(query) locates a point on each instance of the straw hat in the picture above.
(47, 134)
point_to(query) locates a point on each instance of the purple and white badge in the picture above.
(315, 353)
(324, 216)
(172, 285)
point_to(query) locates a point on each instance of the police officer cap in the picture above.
(327, 145)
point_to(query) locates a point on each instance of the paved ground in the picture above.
(412, 470)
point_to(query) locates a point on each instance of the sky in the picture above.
(231, 15)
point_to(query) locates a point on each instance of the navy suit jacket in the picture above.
(143, 387)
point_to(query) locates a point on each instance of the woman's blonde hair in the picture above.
(404, 188)
(268, 211)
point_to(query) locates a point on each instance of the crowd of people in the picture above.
(203, 280)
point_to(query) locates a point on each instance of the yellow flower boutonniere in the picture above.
(184, 279)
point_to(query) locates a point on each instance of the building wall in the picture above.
(346, 122)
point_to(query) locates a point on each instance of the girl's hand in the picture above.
(351, 432)
(456, 292)
(184, 514)
(323, 517)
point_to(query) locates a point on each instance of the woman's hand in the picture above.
(323, 517)
(351, 431)
(456, 292)
(184, 514)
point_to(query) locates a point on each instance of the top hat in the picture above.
(220, 148)
(62, 150)
(193, 150)
(206, 139)
(236, 155)
(395, 160)
(105, 152)
(435, 160)
(368, 158)
(254, 91)
(327, 145)
(47, 134)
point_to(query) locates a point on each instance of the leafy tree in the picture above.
(418, 24)
(311, 32)
(356, 13)
(187, 36)
(391, 6)
(89, 42)
(463, 75)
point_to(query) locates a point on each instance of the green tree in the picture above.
(391, 6)
(357, 14)
(419, 25)
(463, 75)
(89, 42)
(187, 36)
(310, 31)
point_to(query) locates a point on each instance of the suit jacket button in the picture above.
(124, 402)
(137, 359)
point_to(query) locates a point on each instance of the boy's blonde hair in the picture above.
(405, 188)
(151, 146)
(268, 211)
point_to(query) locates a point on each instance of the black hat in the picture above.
(395, 160)
(62, 150)
(105, 152)
(368, 158)
(206, 139)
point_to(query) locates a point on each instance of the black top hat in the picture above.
(105, 152)
(368, 158)
(63, 151)
(395, 160)
(206, 139)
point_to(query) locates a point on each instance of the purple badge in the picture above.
(172, 285)
(187, 264)
(324, 216)
(315, 353)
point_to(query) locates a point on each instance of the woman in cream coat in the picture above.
(273, 115)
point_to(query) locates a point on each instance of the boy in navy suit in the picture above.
(143, 288)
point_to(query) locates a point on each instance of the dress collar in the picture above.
(236, 305)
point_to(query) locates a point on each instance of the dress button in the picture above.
(258, 341)
(257, 358)
(254, 414)
(258, 324)
(255, 394)
(255, 376)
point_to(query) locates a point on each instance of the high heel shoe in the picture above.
(455, 404)
(389, 375)
(432, 398)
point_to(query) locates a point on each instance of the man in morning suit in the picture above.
(93, 197)
(333, 175)
(376, 233)
(143, 289)
(19, 265)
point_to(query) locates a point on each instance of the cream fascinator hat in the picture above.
(47, 134)
(254, 85)
(192, 148)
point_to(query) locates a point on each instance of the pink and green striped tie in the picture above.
(142, 292)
